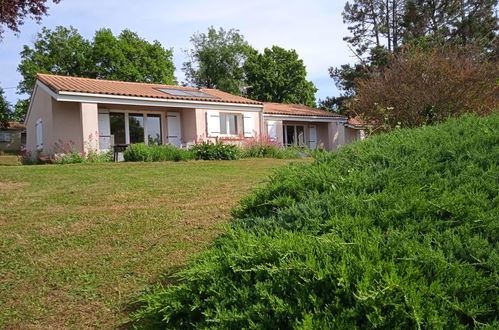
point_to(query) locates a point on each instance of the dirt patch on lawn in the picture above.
(6, 186)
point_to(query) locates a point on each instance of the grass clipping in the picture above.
(398, 231)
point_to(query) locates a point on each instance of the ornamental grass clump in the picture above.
(398, 231)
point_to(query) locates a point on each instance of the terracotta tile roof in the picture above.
(110, 87)
(356, 121)
(296, 110)
(14, 125)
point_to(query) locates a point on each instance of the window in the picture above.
(228, 124)
(5, 137)
(153, 125)
(128, 128)
(294, 135)
(136, 127)
(118, 127)
(187, 93)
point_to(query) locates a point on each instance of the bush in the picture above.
(422, 87)
(140, 152)
(397, 231)
(75, 157)
(266, 151)
(215, 151)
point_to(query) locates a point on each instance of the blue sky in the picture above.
(313, 28)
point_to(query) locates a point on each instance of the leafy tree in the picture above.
(4, 110)
(216, 60)
(278, 75)
(64, 51)
(130, 58)
(13, 12)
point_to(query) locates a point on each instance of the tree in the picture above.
(278, 75)
(131, 58)
(422, 87)
(14, 12)
(64, 51)
(381, 28)
(216, 60)
(4, 110)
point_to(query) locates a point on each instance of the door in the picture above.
(104, 132)
(174, 131)
(312, 140)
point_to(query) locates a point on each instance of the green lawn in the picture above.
(78, 242)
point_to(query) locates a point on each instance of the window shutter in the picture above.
(312, 141)
(272, 130)
(212, 123)
(249, 125)
(39, 134)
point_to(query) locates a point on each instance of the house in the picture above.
(12, 137)
(93, 114)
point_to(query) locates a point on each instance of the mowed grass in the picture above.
(79, 242)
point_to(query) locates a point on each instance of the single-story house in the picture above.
(93, 114)
(12, 137)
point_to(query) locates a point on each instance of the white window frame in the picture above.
(144, 114)
(6, 137)
(227, 121)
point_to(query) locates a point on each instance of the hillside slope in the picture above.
(398, 231)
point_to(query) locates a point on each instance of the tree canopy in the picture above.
(14, 12)
(64, 51)
(216, 60)
(278, 75)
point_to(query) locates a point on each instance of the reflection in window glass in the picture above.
(117, 121)
(154, 129)
(136, 127)
(228, 124)
(300, 135)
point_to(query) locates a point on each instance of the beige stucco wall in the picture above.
(336, 135)
(89, 126)
(15, 143)
(351, 135)
(41, 108)
(67, 125)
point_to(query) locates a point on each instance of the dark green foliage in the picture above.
(140, 152)
(216, 60)
(267, 151)
(216, 151)
(397, 231)
(278, 75)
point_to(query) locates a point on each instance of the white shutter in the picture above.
(272, 130)
(39, 134)
(212, 123)
(104, 131)
(312, 141)
(249, 125)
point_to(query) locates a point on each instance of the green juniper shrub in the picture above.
(215, 151)
(398, 231)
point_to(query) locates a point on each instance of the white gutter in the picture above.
(305, 118)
